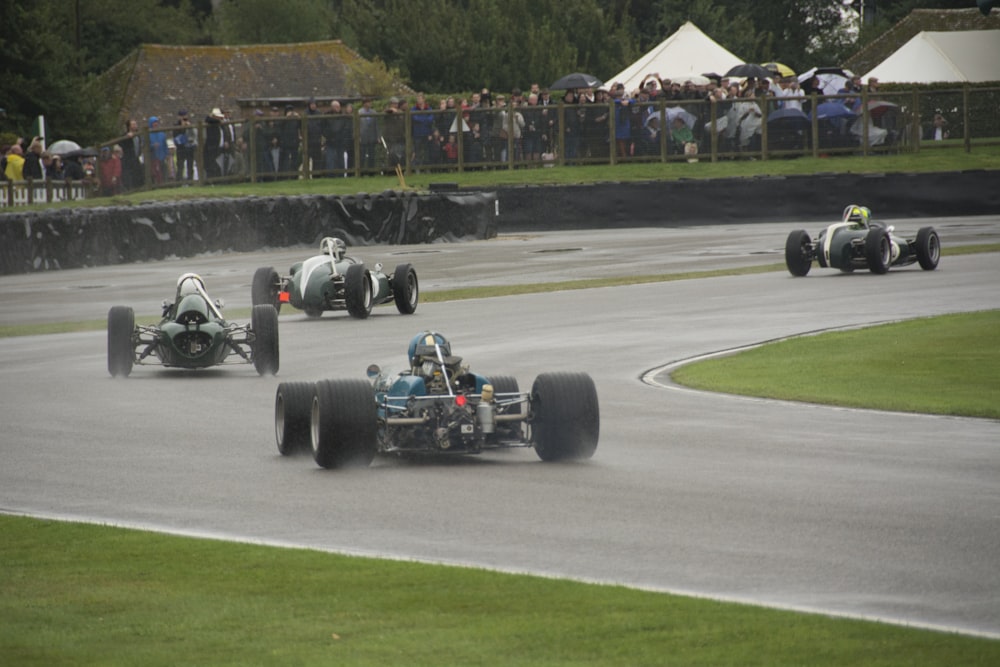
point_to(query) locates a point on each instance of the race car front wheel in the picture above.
(798, 252)
(264, 324)
(265, 287)
(565, 417)
(928, 248)
(343, 423)
(121, 351)
(293, 416)
(405, 289)
(878, 250)
(358, 291)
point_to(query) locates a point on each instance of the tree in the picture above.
(271, 22)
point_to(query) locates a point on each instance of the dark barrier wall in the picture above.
(114, 235)
(744, 200)
(65, 238)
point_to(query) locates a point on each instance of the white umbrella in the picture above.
(831, 79)
(696, 79)
(63, 146)
(454, 126)
(677, 112)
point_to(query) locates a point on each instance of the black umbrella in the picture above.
(749, 70)
(577, 80)
(791, 118)
(89, 151)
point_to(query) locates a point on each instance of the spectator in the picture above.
(450, 149)
(314, 136)
(680, 135)
(369, 134)
(394, 127)
(72, 169)
(572, 123)
(157, 150)
(14, 171)
(110, 172)
(214, 144)
(596, 129)
(133, 176)
(33, 161)
(649, 139)
(937, 130)
(852, 87)
(422, 122)
(53, 167)
(290, 138)
(623, 123)
(185, 140)
(531, 137)
(339, 134)
(749, 121)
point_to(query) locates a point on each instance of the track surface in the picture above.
(860, 513)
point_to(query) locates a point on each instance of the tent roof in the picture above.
(687, 51)
(929, 57)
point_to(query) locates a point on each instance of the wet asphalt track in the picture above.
(860, 513)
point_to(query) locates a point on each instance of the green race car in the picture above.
(192, 334)
(333, 281)
(858, 242)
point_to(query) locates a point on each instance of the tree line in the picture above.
(51, 49)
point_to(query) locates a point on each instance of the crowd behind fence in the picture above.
(344, 142)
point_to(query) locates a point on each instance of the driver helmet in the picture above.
(333, 246)
(857, 215)
(423, 345)
(188, 284)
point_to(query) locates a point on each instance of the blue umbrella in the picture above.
(795, 119)
(833, 110)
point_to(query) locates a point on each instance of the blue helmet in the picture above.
(422, 345)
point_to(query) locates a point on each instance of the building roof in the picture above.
(967, 56)
(917, 21)
(159, 80)
(686, 52)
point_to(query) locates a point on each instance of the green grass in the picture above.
(76, 594)
(947, 365)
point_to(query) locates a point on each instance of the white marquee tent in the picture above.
(687, 51)
(931, 57)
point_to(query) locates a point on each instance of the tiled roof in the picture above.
(158, 80)
(919, 20)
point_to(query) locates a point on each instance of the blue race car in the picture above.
(437, 407)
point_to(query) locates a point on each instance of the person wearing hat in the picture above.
(214, 143)
(394, 133)
(185, 140)
(133, 175)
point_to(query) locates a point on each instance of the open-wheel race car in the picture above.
(858, 242)
(436, 407)
(192, 334)
(332, 280)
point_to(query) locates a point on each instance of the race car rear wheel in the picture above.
(878, 250)
(405, 289)
(928, 248)
(293, 416)
(358, 291)
(798, 252)
(264, 324)
(343, 423)
(121, 350)
(265, 287)
(505, 384)
(565, 418)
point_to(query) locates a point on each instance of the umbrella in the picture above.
(63, 146)
(454, 126)
(689, 118)
(831, 79)
(779, 69)
(748, 70)
(577, 80)
(89, 151)
(833, 110)
(878, 108)
(791, 119)
(696, 79)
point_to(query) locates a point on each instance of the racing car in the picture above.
(858, 242)
(332, 280)
(435, 407)
(192, 334)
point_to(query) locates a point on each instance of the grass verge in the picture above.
(87, 595)
(945, 365)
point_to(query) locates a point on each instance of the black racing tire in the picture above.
(121, 346)
(878, 250)
(293, 417)
(265, 287)
(565, 417)
(928, 248)
(343, 424)
(264, 325)
(358, 291)
(313, 313)
(798, 253)
(405, 289)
